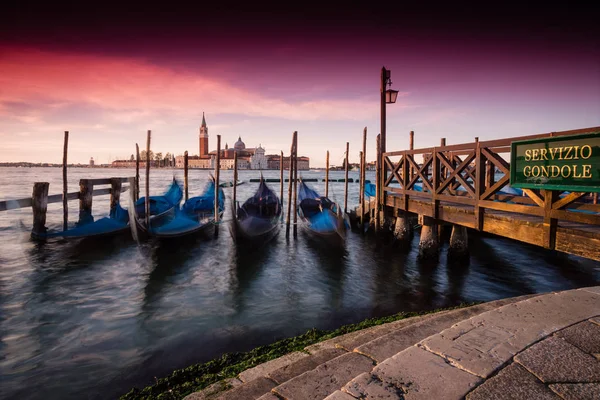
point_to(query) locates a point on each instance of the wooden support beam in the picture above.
(327, 174)
(86, 193)
(39, 205)
(147, 200)
(115, 194)
(217, 171)
(479, 185)
(378, 185)
(295, 184)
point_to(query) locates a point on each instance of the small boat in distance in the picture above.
(230, 184)
(161, 207)
(197, 215)
(320, 217)
(258, 219)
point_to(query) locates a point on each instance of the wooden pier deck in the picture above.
(460, 184)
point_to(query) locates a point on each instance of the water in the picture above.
(91, 320)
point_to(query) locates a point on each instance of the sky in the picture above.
(107, 75)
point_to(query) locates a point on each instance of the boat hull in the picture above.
(254, 229)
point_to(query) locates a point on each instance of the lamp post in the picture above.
(388, 96)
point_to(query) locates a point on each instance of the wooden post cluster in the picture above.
(65, 189)
(147, 201)
(185, 174)
(346, 180)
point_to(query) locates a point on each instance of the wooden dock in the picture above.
(459, 185)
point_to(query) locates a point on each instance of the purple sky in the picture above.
(108, 76)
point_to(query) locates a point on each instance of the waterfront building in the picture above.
(92, 162)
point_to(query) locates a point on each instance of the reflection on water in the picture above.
(92, 318)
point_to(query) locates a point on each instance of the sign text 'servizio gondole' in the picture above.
(570, 163)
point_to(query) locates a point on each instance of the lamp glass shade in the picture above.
(391, 96)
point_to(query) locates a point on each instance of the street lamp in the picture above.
(388, 96)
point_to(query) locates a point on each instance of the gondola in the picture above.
(162, 208)
(116, 223)
(196, 216)
(320, 217)
(258, 219)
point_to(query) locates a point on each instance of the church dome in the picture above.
(239, 145)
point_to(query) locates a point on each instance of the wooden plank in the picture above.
(420, 207)
(495, 187)
(579, 245)
(457, 199)
(550, 223)
(457, 216)
(515, 208)
(104, 181)
(17, 203)
(523, 231)
(592, 219)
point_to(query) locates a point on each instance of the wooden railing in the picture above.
(471, 176)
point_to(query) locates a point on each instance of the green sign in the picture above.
(569, 163)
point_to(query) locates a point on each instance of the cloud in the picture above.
(127, 90)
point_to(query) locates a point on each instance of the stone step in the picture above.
(323, 356)
(325, 379)
(451, 363)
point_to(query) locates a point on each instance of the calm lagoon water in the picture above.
(92, 319)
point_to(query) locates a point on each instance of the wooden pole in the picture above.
(86, 195)
(39, 205)
(281, 183)
(185, 174)
(411, 146)
(377, 183)
(382, 169)
(147, 205)
(289, 202)
(361, 198)
(363, 173)
(235, 178)
(217, 170)
(137, 172)
(115, 193)
(327, 174)
(65, 189)
(346, 180)
(295, 183)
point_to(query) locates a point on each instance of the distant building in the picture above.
(273, 161)
(130, 164)
(92, 162)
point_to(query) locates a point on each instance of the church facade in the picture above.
(248, 158)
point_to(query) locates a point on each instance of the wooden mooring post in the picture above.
(289, 202)
(346, 179)
(235, 178)
(137, 174)
(185, 174)
(147, 201)
(281, 183)
(39, 205)
(378, 185)
(363, 176)
(86, 196)
(115, 194)
(65, 188)
(295, 183)
(217, 170)
(327, 174)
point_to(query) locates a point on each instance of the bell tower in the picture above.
(203, 138)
